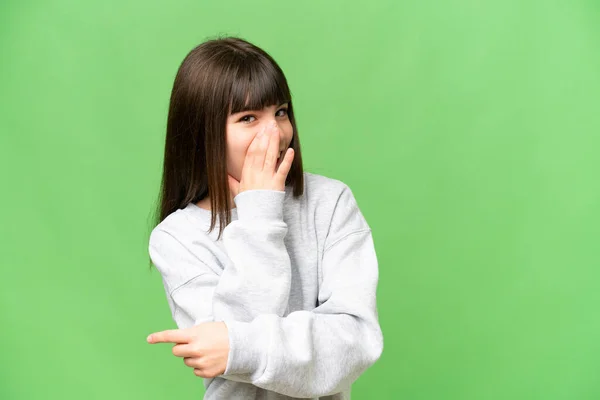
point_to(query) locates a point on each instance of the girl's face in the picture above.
(242, 127)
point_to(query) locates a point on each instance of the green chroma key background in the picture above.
(469, 132)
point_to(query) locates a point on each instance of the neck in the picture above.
(205, 202)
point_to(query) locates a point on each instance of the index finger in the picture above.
(250, 153)
(170, 336)
(273, 148)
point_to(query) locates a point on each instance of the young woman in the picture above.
(281, 301)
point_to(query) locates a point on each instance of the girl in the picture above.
(281, 301)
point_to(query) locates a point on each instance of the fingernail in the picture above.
(149, 339)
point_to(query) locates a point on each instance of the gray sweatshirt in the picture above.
(294, 280)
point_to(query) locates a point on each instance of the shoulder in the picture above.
(313, 180)
(337, 206)
(323, 188)
(179, 233)
(329, 193)
(334, 205)
(181, 250)
(175, 225)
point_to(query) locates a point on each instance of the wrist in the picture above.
(260, 204)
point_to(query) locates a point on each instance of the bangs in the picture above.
(257, 85)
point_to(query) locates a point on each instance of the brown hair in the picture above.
(218, 77)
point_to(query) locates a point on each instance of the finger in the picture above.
(195, 362)
(258, 160)
(182, 350)
(190, 361)
(205, 372)
(170, 335)
(251, 153)
(272, 149)
(286, 164)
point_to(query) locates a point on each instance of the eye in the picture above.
(245, 118)
(284, 109)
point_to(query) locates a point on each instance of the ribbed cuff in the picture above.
(260, 203)
(247, 349)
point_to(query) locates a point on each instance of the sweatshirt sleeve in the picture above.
(256, 281)
(306, 353)
(259, 276)
(322, 351)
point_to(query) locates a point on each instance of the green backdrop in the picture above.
(468, 131)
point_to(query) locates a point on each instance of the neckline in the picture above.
(196, 208)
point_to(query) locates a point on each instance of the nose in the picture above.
(272, 122)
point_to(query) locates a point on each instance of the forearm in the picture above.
(321, 351)
(306, 354)
(258, 278)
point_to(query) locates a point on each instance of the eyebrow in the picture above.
(246, 108)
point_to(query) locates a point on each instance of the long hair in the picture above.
(217, 78)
